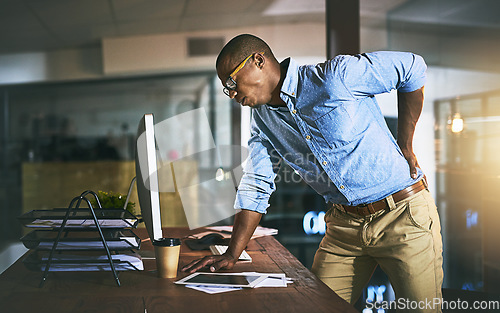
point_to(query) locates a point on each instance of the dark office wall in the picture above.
(450, 33)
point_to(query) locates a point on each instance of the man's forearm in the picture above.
(245, 223)
(409, 109)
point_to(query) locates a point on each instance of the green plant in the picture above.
(113, 200)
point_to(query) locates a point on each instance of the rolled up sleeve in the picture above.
(259, 173)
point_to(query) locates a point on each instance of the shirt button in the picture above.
(294, 111)
(308, 137)
(324, 162)
(342, 187)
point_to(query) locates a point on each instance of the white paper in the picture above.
(272, 280)
(220, 249)
(126, 242)
(72, 264)
(259, 232)
(82, 223)
(275, 280)
(212, 289)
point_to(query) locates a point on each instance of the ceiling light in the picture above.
(290, 7)
(457, 123)
(219, 175)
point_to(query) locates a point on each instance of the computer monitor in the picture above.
(146, 169)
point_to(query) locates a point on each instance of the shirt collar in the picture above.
(291, 79)
(289, 87)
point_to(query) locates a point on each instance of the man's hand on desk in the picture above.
(216, 262)
(245, 223)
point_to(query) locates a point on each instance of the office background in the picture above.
(76, 76)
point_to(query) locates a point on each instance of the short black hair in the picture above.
(241, 46)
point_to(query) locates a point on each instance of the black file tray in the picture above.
(37, 261)
(101, 229)
(79, 218)
(118, 240)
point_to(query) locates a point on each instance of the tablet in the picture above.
(222, 279)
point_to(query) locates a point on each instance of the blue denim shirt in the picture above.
(332, 132)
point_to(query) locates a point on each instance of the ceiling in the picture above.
(40, 25)
(446, 32)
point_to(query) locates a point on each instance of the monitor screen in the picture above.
(147, 177)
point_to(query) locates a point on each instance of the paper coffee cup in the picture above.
(167, 256)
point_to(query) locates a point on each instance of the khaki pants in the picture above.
(404, 240)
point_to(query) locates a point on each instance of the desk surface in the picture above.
(140, 290)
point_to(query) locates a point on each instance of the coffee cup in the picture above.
(167, 256)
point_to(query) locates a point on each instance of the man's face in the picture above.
(248, 84)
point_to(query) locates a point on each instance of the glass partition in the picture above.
(65, 138)
(467, 145)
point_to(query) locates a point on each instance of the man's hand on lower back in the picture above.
(412, 162)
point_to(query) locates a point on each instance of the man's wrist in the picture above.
(405, 145)
(230, 256)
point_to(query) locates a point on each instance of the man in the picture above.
(380, 211)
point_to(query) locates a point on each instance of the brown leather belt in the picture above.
(370, 208)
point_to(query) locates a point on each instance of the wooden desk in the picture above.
(97, 291)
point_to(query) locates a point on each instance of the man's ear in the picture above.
(259, 60)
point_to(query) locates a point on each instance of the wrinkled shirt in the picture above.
(332, 131)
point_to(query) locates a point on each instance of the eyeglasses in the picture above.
(230, 82)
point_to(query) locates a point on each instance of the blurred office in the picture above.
(77, 76)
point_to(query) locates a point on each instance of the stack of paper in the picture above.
(264, 231)
(271, 280)
(123, 243)
(219, 250)
(114, 223)
(121, 262)
(213, 289)
(259, 232)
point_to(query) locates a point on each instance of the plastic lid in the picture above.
(167, 242)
